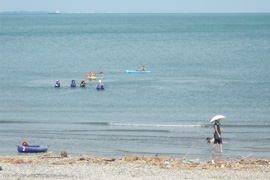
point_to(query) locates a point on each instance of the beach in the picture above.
(130, 167)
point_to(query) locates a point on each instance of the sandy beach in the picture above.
(131, 167)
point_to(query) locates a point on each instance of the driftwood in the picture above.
(246, 157)
(48, 157)
(184, 158)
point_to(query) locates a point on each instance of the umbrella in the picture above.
(217, 117)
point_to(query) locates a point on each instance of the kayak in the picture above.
(136, 71)
(33, 148)
(92, 78)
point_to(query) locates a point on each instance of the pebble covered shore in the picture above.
(131, 167)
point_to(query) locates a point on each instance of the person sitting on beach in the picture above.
(83, 83)
(217, 136)
(92, 74)
(57, 84)
(73, 84)
(142, 68)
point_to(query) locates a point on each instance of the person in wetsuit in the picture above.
(57, 84)
(100, 85)
(83, 83)
(73, 84)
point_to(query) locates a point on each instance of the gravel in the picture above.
(119, 171)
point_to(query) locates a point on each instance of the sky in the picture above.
(139, 6)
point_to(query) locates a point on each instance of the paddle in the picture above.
(88, 74)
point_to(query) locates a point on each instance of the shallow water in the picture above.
(202, 65)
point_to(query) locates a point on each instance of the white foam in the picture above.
(155, 125)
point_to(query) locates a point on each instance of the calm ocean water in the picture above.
(202, 65)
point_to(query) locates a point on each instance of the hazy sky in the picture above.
(138, 6)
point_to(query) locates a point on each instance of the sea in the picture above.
(202, 65)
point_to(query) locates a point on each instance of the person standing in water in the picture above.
(217, 136)
(83, 83)
(100, 85)
(73, 84)
(57, 84)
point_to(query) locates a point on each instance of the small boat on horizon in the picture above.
(55, 12)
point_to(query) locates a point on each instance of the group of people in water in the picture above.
(82, 84)
(92, 76)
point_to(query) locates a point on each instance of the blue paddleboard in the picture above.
(135, 71)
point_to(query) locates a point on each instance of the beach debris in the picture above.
(246, 156)
(162, 162)
(1, 168)
(48, 154)
(63, 154)
(194, 160)
(109, 159)
(167, 163)
(213, 162)
(187, 162)
(131, 158)
(184, 158)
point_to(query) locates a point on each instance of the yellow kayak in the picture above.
(92, 77)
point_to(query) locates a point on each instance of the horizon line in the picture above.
(89, 12)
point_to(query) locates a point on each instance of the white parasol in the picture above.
(217, 117)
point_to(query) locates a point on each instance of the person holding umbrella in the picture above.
(217, 134)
